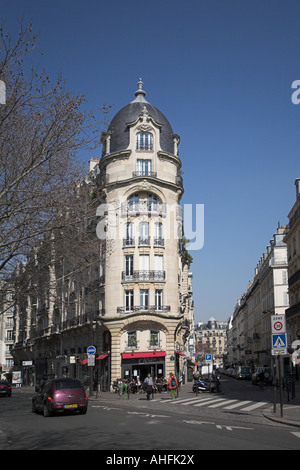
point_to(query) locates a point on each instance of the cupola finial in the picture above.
(140, 93)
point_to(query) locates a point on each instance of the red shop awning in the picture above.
(180, 353)
(103, 356)
(84, 361)
(143, 354)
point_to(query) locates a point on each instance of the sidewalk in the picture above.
(290, 413)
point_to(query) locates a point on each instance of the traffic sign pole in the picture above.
(279, 347)
(91, 351)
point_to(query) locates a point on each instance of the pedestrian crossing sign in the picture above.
(279, 341)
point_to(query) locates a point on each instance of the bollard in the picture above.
(274, 399)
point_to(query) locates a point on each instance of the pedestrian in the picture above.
(172, 384)
(148, 382)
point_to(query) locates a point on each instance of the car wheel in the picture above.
(46, 411)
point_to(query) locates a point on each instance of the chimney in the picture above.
(93, 163)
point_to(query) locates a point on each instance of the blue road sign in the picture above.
(279, 341)
(91, 350)
(208, 357)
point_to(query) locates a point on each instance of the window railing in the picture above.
(128, 241)
(154, 344)
(159, 242)
(144, 241)
(143, 276)
(136, 174)
(144, 308)
(143, 207)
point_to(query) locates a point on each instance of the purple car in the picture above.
(60, 395)
(5, 388)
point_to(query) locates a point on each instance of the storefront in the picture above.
(139, 365)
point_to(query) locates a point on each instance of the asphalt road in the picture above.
(113, 424)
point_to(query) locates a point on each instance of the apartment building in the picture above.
(292, 239)
(6, 331)
(133, 301)
(211, 338)
(267, 294)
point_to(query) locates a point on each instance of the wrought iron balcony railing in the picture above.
(136, 276)
(144, 308)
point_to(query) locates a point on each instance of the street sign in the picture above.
(91, 350)
(279, 341)
(91, 360)
(278, 324)
(279, 352)
(208, 357)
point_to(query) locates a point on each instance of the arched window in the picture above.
(144, 141)
(133, 202)
(152, 202)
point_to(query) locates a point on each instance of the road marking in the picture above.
(297, 434)
(230, 428)
(255, 405)
(221, 404)
(192, 421)
(147, 414)
(182, 401)
(218, 426)
(240, 403)
(197, 400)
(206, 402)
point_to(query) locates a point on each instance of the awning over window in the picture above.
(103, 356)
(180, 353)
(143, 354)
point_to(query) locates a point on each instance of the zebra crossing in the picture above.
(214, 402)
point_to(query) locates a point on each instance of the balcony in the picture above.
(293, 311)
(150, 276)
(158, 242)
(137, 174)
(128, 242)
(144, 241)
(145, 207)
(144, 308)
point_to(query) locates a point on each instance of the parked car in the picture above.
(60, 395)
(243, 372)
(5, 388)
(267, 375)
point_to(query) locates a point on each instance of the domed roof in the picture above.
(119, 130)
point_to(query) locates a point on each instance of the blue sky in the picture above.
(221, 71)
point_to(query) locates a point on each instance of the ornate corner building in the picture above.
(142, 316)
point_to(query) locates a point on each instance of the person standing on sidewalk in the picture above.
(149, 385)
(172, 384)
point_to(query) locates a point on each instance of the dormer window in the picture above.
(144, 141)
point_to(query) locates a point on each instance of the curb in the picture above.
(277, 419)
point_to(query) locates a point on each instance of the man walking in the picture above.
(172, 384)
(149, 385)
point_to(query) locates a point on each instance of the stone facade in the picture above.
(292, 239)
(134, 302)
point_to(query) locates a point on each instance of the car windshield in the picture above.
(67, 384)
